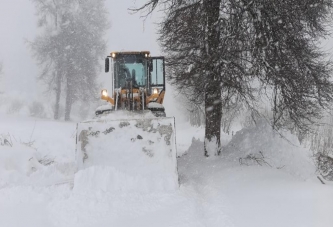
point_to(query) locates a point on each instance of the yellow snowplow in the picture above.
(138, 83)
(131, 144)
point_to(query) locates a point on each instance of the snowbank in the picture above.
(22, 164)
(214, 192)
(17, 161)
(263, 146)
(35, 152)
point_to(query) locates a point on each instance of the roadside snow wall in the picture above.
(17, 161)
(262, 145)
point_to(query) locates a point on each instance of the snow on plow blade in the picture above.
(126, 155)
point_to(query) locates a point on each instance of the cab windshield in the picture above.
(130, 68)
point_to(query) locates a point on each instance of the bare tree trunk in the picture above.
(57, 101)
(58, 79)
(213, 104)
(69, 100)
(213, 122)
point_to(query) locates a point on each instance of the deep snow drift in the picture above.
(260, 180)
(261, 145)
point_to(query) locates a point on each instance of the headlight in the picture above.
(146, 55)
(155, 91)
(104, 93)
(113, 55)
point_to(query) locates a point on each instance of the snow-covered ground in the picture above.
(259, 180)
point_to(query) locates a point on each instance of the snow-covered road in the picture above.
(213, 192)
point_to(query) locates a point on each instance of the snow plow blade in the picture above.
(127, 155)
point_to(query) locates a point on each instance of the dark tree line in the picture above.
(222, 52)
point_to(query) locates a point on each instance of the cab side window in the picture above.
(156, 76)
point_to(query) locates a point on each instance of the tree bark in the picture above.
(58, 92)
(58, 79)
(213, 113)
(213, 104)
(69, 100)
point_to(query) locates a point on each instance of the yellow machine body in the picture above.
(138, 82)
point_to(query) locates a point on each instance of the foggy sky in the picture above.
(18, 24)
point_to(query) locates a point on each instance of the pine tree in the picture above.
(246, 51)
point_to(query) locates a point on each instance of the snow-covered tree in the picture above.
(70, 46)
(244, 51)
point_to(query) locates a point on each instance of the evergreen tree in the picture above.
(70, 47)
(223, 52)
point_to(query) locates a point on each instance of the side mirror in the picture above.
(107, 65)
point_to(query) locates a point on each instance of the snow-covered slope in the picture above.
(261, 145)
(36, 188)
(257, 195)
(38, 152)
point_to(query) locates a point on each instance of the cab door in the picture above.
(157, 73)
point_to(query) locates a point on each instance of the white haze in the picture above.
(18, 24)
(128, 31)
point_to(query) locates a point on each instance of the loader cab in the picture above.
(139, 68)
(130, 67)
(138, 81)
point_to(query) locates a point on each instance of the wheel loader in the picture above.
(130, 145)
(138, 83)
